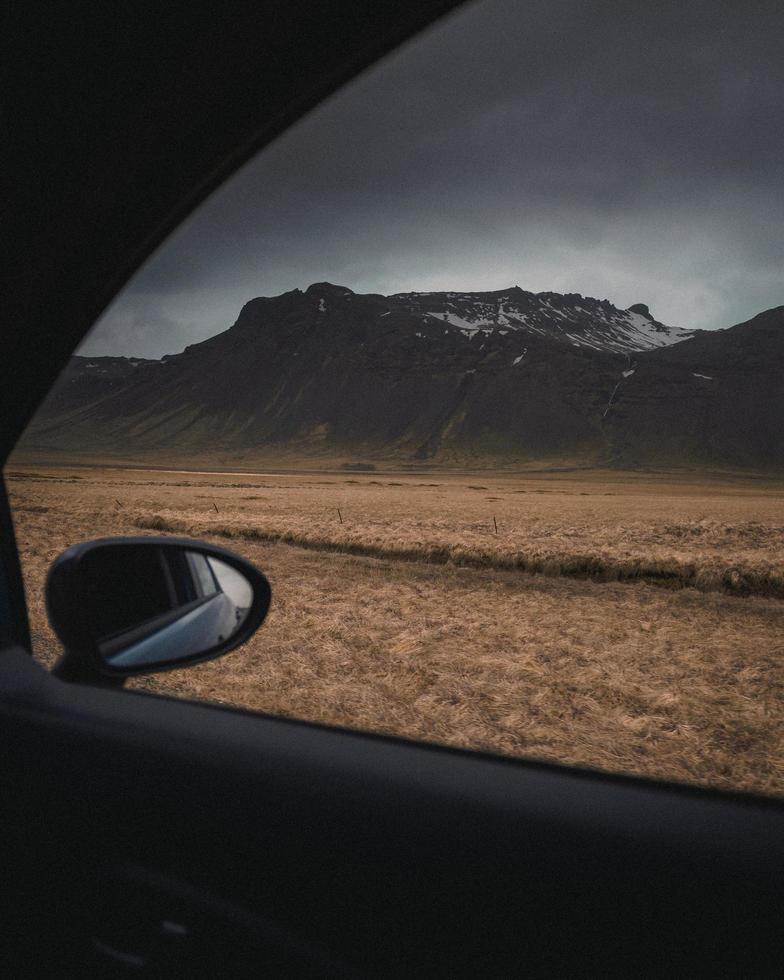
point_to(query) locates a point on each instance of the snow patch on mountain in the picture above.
(580, 321)
(645, 333)
(468, 327)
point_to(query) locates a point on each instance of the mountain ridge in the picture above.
(569, 317)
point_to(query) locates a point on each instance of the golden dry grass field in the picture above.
(624, 622)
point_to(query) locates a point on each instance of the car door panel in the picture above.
(384, 857)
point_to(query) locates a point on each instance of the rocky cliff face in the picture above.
(506, 376)
(715, 400)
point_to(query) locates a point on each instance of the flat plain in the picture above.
(626, 622)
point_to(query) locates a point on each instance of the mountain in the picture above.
(454, 377)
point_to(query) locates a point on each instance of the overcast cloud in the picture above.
(624, 151)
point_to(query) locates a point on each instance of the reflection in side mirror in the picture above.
(177, 600)
(125, 606)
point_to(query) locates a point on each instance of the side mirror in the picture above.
(124, 606)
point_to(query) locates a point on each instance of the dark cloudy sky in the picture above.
(632, 151)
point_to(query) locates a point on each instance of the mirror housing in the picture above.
(138, 605)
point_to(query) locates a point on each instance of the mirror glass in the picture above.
(155, 604)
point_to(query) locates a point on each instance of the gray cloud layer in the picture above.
(625, 151)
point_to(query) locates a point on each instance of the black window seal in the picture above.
(14, 622)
